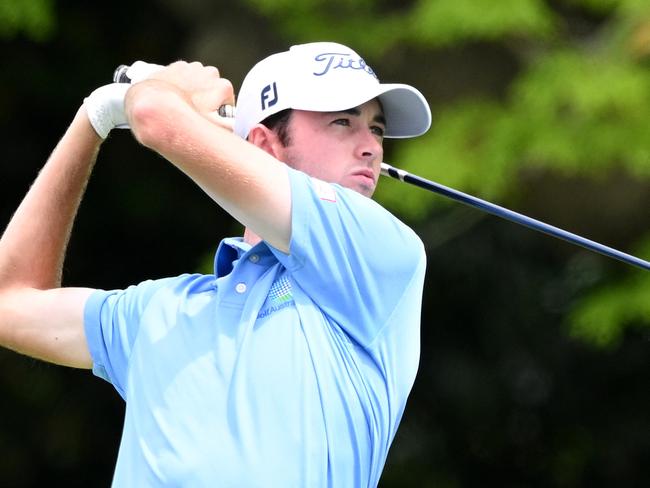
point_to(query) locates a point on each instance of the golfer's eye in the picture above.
(344, 122)
(378, 130)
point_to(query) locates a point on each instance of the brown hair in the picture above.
(279, 123)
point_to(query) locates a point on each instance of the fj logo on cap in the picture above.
(267, 101)
(331, 61)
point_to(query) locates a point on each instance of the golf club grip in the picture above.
(120, 76)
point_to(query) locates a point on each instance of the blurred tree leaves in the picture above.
(34, 18)
(601, 317)
(578, 106)
(438, 23)
(374, 26)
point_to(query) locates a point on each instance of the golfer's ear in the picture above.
(266, 139)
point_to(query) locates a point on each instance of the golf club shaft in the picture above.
(399, 174)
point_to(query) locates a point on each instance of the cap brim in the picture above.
(406, 110)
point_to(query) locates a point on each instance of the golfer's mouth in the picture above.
(365, 175)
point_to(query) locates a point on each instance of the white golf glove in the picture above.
(105, 105)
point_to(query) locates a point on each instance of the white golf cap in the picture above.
(326, 77)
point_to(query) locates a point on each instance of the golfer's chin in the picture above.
(361, 184)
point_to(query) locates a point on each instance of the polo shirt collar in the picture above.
(232, 249)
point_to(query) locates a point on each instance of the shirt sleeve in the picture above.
(350, 255)
(112, 321)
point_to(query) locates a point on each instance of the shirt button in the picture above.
(254, 258)
(240, 287)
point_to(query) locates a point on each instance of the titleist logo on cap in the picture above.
(332, 61)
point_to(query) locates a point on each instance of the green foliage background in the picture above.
(534, 367)
(34, 18)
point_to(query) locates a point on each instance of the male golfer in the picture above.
(291, 364)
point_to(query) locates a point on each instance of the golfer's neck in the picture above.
(251, 237)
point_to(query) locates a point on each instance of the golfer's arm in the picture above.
(45, 324)
(36, 316)
(247, 182)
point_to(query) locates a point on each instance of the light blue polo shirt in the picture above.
(278, 370)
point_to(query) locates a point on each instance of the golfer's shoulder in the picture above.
(393, 231)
